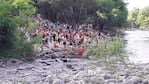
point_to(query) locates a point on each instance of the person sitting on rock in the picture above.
(44, 42)
(64, 48)
(80, 50)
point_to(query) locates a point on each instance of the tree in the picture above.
(101, 13)
(67, 11)
(143, 18)
(139, 17)
(13, 15)
(111, 13)
(133, 16)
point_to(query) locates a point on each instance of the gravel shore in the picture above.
(70, 71)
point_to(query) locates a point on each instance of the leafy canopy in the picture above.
(13, 14)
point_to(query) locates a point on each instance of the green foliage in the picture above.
(132, 17)
(111, 13)
(32, 25)
(67, 11)
(23, 50)
(13, 15)
(139, 17)
(142, 18)
(145, 23)
(102, 13)
(108, 51)
(36, 40)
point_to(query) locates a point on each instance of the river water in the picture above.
(137, 46)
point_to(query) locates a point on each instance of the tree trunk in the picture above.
(100, 27)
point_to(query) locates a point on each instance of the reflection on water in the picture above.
(138, 44)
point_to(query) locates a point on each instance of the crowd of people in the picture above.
(65, 36)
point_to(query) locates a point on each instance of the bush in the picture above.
(36, 40)
(32, 25)
(20, 49)
(108, 51)
(23, 51)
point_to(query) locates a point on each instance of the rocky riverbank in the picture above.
(47, 70)
(53, 67)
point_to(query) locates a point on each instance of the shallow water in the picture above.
(138, 46)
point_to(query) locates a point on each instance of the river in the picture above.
(137, 46)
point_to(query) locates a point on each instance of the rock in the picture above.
(80, 82)
(58, 60)
(16, 61)
(58, 81)
(46, 63)
(21, 68)
(13, 61)
(80, 75)
(56, 50)
(96, 80)
(49, 79)
(54, 55)
(98, 70)
(69, 66)
(65, 77)
(2, 64)
(146, 81)
(76, 82)
(71, 53)
(111, 81)
(45, 54)
(72, 82)
(91, 73)
(107, 76)
(65, 60)
(133, 80)
(122, 73)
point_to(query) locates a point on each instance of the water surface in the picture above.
(138, 45)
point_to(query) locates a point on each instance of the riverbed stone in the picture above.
(96, 80)
(107, 76)
(91, 73)
(133, 80)
(80, 75)
(72, 82)
(65, 77)
(54, 55)
(146, 81)
(48, 71)
(111, 81)
(49, 79)
(58, 81)
(56, 49)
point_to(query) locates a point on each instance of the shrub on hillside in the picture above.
(107, 50)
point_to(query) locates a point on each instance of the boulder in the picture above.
(111, 81)
(146, 81)
(65, 77)
(72, 82)
(49, 79)
(133, 80)
(96, 80)
(80, 75)
(69, 66)
(54, 55)
(58, 81)
(107, 76)
(91, 73)
(56, 50)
